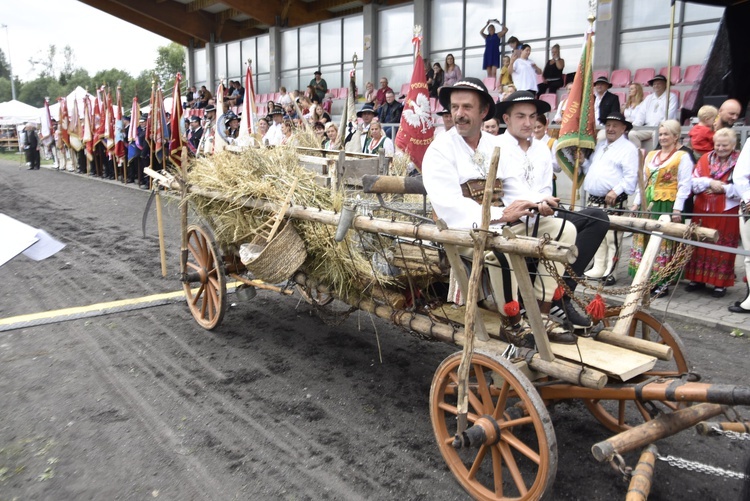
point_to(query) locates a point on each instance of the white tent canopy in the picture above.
(15, 112)
(76, 95)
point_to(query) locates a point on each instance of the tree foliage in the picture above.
(170, 60)
(4, 67)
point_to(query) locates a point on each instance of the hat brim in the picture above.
(609, 85)
(657, 79)
(367, 110)
(628, 125)
(541, 106)
(444, 96)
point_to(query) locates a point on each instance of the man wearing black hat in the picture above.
(604, 101)
(455, 167)
(232, 122)
(653, 110)
(275, 136)
(611, 176)
(319, 85)
(447, 121)
(194, 135)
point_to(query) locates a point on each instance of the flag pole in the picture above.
(591, 19)
(669, 61)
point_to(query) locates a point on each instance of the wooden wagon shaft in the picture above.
(707, 428)
(660, 351)
(624, 223)
(446, 333)
(643, 475)
(663, 426)
(524, 246)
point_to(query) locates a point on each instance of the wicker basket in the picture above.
(274, 261)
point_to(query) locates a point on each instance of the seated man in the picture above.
(526, 202)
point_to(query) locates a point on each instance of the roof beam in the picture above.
(199, 4)
(264, 11)
(330, 4)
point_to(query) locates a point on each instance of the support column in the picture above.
(422, 17)
(370, 49)
(274, 49)
(606, 38)
(211, 64)
(190, 63)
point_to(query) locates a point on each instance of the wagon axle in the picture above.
(485, 431)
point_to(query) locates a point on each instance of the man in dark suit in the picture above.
(605, 103)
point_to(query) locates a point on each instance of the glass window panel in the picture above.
(330, 42)
(332, 75)
(308, 46)
(289, 50)
(527, 20)
(570, 51)
(220, 59)
(697, 41)
(248, 52)
(477, 13)
(569, 18)
(472, 64)
(397, 70)
(264, 53)
(199, 59)
(644, 49)
(392, 25)
(289, 80)
(353, 37)
(445, 16)
(264, 84)
(641, 13)
(698, 12)
(234, 61)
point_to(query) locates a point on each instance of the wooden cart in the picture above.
(635, 373)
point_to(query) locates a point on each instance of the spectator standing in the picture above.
(506, 76)
(452, 71)
(319, 86)
(653, 109)
(668, 173)
(524, 70)
(701, 135)
(553, 72)
(380, 96)
(491, 60)
(390, 112)
(31, 147)
(715, 194)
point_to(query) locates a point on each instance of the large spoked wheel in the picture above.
(521, 462)
(205, 288)
(620, 415)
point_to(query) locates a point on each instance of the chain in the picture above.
(679, 259)
(684, 464)
(731, 435)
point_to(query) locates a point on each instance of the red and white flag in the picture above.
(88, 132)
(176, 127)
(63, 122)
(75, 129)
(46, 123)
(417, 128)
(247, 125)
(119, 135)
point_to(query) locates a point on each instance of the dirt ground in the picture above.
(274, 404)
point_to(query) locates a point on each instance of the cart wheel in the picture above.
(521, 462)
(205, 271)
(620, 415)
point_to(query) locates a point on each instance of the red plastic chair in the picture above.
(549, 98)
(622, 97)
(620, 78)
(490, 82)
(643, 75)
(676, 74)
(335, 93)
(693, 74)
(601, 73)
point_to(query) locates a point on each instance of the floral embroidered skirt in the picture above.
(663, 257)
(710, 266)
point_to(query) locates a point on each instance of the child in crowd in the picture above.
(702, 133)
(506, 76)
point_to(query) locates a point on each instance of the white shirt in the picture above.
(613, 166)
(274, 136)
(741, 175)
(597, 102)
(651, 111)
(285, 100)
(449, 162)
(631, 113)
(684, 176)
(524, 76)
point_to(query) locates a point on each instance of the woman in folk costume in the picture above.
(377, 141)
(668, 172)
(715, 193)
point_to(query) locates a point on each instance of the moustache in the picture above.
(462, 121)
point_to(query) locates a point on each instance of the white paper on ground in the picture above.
(17, 237)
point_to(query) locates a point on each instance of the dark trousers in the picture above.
(592, 226)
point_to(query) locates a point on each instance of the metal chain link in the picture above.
(731, 435)
(684, 464)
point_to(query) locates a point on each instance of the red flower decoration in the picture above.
(512, 308)
(596, 308)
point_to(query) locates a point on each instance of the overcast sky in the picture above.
(99, 41)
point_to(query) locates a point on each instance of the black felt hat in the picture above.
(659, 78)
(366, 108)
(603, 80)
(616, 115)
(471, 84)
(522, 96)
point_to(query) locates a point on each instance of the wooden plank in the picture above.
(355, 169)
(613, 360)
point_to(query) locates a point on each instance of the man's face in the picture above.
(659, 87)
(278, 118)
(521, 120)
(539, 130)
(729, 112)
(601, 88)
(367, 116)
(210, 114)
(194, 125)
(390, 97)
(318, 76)
(448, 121)
(383, 83)
(490, 126)
(234, 123)
(468, 113)
(614, 129)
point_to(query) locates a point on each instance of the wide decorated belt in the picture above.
(595, 201)
(474, 189)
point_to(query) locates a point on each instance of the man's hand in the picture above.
(553, 202)
(516, 211)
(610, 198)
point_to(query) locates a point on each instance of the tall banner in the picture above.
(47, 136)
(578, 130)
(63, 122)
(88, 132)
(176, 127)
(75, 129)
(417, 129)
(247, 124)
(120, 135)
(219, 142)
(135, 116)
